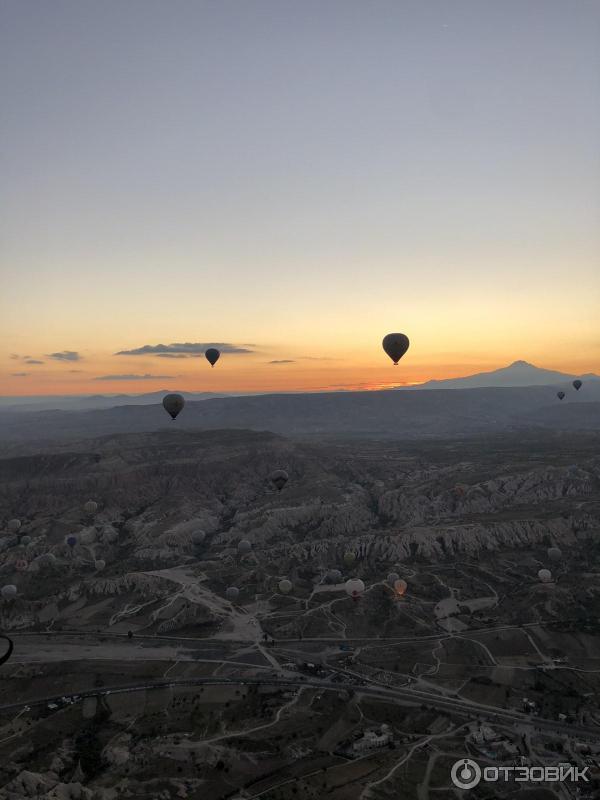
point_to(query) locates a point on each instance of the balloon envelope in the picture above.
(279, 478)
(400, 586)
(99, 564)
(554, 553)
(212, 355)
(354, 587)
(71, 540)
(560, 395)
(232, 593)
(244, 546)
(577, 384)
(173, 404)
(349, 558)
(198, 537)
(9, 591)
(25, 540)
(334, 576)
(91, 507)
(14, 525)
(395, 345)
(545, 575)
(285, 586)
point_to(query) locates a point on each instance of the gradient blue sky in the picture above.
(303, 176)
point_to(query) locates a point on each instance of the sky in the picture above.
(294, 180)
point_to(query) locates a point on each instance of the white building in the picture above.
(371, 740)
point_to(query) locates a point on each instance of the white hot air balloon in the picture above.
(545, 576)
(232, 593)
(354, 587)
(285, 586)
(9, 592)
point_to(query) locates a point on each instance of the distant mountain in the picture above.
(441, 413)
(519, 373)
(88, 402)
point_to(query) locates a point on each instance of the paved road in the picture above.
(399, 695)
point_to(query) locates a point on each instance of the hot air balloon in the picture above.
(285, 586)
(9, 592)
(545, 575)
(14, 525)
(130, 634)
(21, 565)
(25, 540)
(90, 507)
(173, 404)
(349, 558)
(354, 587)
(71, 540)
(99, 564)
(198, 537)
(212, 355)
(6, 655)
(244, 546)
(577, 384)
(46, 560)
(232, 593)
(395, 345)
(560, 395)
(279, 478)
(334, 576)
(392, 578)
(554, 553)
(400, 587)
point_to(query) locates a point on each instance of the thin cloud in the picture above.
(146, 377)
(317, 358)
(19, 374)
(33, 361)
(282, 361)
(182, 348)
(65, 355)
(76, 370)
(15, 356)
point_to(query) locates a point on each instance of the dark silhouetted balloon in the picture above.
(212, 355)
(14, 525)
(395, 345)
(334, 576)
(279, 478)
(71, 540)
(25, 540)
(244, 546)
(173, 404)
(577, 384)
(5, 656)
(392, 578)
(560, 395)
(554, 553)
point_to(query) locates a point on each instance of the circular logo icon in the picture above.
(465, 773)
